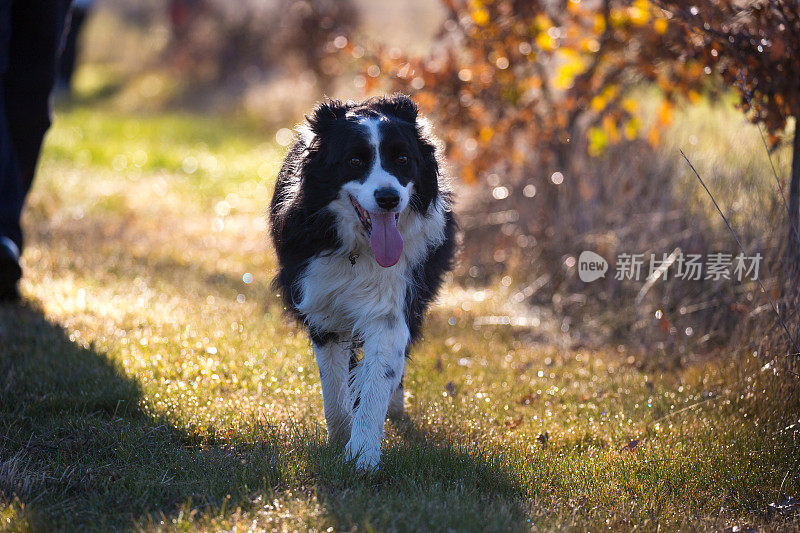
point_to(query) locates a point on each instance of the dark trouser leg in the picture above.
(10, 185)
(66, 62)
(9, 178)
(11, 195)
(30, 49)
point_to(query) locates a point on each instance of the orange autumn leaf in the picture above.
(665, 113)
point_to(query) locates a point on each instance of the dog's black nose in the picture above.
(387, 198)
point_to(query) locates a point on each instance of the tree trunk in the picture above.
(793, 247)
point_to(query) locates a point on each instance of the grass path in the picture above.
(151, 381)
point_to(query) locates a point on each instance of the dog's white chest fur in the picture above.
(345, 298)
(341, 297)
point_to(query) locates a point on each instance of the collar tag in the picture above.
(352, 257)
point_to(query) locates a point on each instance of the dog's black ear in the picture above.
(325, 114)
(399, 105)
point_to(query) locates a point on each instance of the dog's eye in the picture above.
(402, 160)
(355, 162)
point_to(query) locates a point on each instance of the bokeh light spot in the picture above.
(283, 136)
(500, 193)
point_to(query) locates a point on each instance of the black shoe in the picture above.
(10, 271)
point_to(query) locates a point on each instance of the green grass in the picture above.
(146, 386)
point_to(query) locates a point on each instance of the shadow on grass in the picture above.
(78, 450)
(425, 483)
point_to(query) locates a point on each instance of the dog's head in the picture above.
(374, 163)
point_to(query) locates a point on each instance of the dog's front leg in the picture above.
(375, 379)
(333, 360)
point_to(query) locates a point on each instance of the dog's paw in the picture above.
(367, 458)
(368, 461)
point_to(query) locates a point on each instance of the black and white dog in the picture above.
(362, 225)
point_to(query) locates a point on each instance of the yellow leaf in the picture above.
(611, 129)
(590, 45)
(660, 25)
(563, 78)
(694, 69)
(568, 54)
(599, 23)
(638, 17)
(545, 42)
(653, 136)
(610, 91)
(631, 128)
(542, 22)
(566, 72)
(598, 141)
(665, 113)
(639, 12)
(600, 101)
(480, 16)
(630, 105)
(486, 134)
(618, 17)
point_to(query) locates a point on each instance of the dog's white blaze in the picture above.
(367, 301)
(364, 192)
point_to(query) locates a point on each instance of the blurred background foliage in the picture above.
(564, 118)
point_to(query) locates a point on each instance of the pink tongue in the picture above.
(386, 241)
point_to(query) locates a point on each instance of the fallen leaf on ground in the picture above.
(543, 438)
(514, 423)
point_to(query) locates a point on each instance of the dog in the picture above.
(363, 228)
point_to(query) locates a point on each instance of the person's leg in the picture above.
(11, 195)
(10, 203)
(10, 186)
(31, 37)
(66, 62)
(36, 37)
